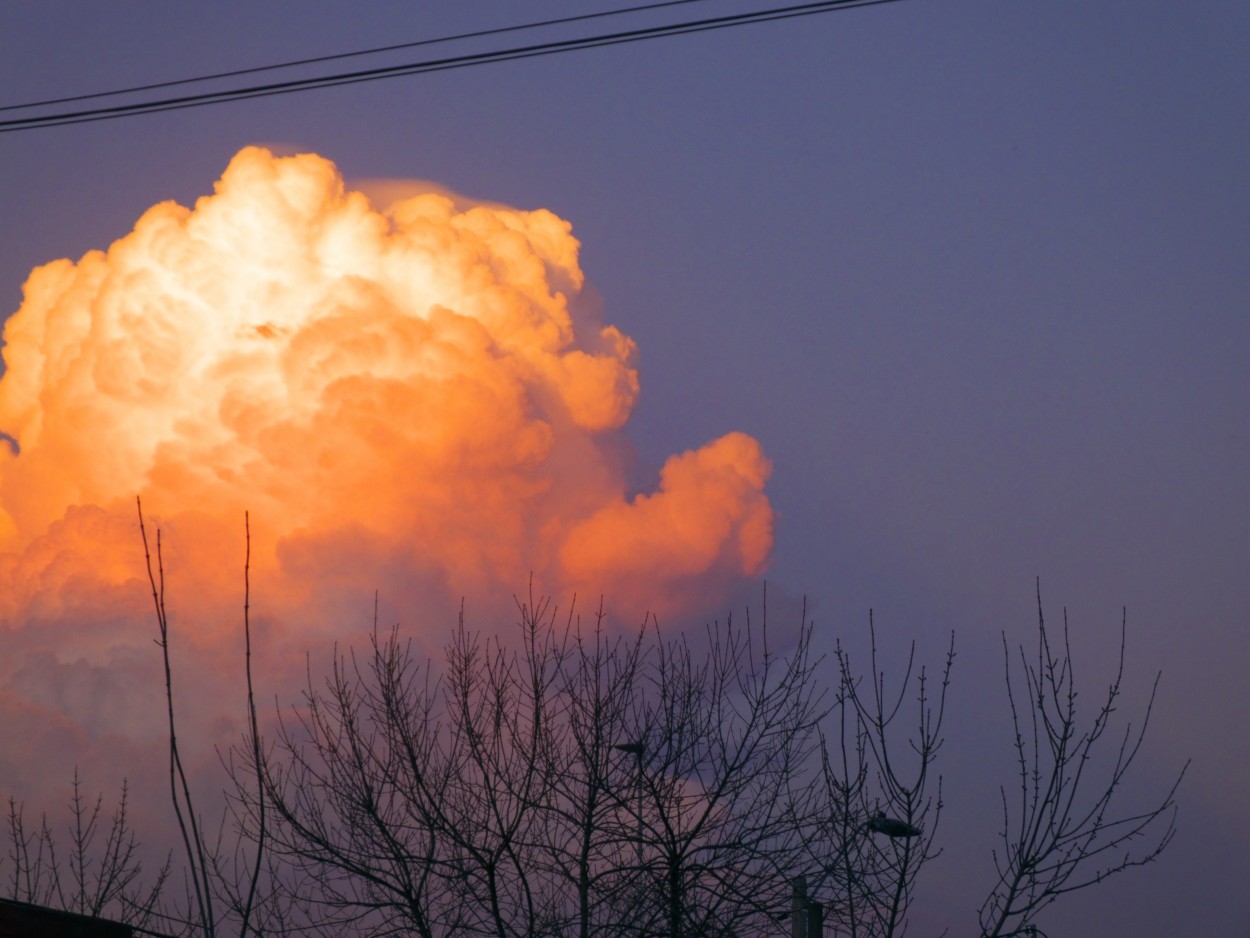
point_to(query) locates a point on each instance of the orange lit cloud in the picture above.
(710, 511)
(399, 390)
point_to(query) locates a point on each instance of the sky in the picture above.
(903, 308)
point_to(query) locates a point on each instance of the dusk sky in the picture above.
(953, 294)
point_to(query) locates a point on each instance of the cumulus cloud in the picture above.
(397, 388)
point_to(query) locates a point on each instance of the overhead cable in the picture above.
(339, 56)
(431, 65)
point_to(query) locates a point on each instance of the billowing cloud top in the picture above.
(397, 387)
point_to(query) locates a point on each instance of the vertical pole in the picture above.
(798, 908)
(639, 840)
(637, 749)
(815, 920)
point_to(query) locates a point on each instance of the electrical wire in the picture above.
(339, 56)
(433, 65)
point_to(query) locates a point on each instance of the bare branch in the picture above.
(179, 789)
(1065, 834)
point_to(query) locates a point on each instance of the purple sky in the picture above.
(976, 274)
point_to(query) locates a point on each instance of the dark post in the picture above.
(798, 908)
(815, 919)
(637, 749)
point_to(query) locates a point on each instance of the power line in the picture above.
(339, 56)
(432, 65)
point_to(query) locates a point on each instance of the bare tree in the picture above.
(874, 820)
(500, 797)
(213, 872)
(590, 836)
(34, 875)
(1061, 832)
(195, 851)
(642, 786)
(102, 880)
(358, 782)
(724, 737)
(469, 802)
(575, 782)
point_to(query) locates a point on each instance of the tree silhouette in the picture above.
(583, 781)
(1064, 832)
